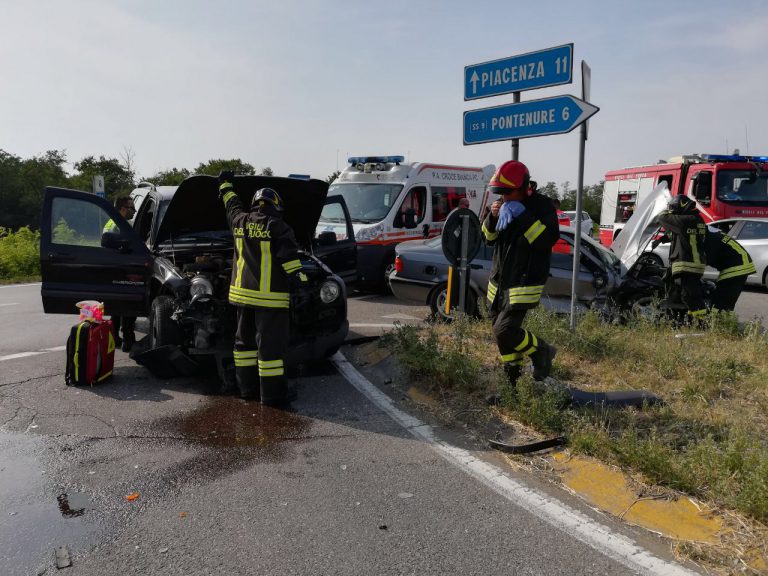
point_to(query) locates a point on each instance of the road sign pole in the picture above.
(516, 141)
(586, 88)
(463, 266)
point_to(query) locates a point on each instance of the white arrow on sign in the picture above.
(474, 81)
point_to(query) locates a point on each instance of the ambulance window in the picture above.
(445, 199)
(412, 209)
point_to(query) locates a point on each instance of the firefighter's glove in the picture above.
(509, 211)
(226, 176)
(663, 239)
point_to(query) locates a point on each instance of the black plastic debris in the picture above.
(527, 448)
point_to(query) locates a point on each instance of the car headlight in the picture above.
(200, 286)
(329, 291)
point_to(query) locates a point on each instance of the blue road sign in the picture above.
(101, 194)
(556, 115)
(548, 67)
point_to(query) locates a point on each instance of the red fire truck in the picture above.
(724, 186)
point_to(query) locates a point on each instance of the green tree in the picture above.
(213, 167)
(172, 177)
(22, 186)
(549, 189)
(118, 179)
(267, 171)
(333, 176)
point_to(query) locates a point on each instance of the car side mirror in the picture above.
(326, 238)
(115, 241)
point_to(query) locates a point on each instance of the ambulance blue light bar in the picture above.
(375, 159)
(733, 158)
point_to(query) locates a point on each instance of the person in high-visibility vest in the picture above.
(522, 226)
(125, 206)
(685, 228)
(266, 269)
(734, 264)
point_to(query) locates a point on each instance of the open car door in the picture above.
(80, 259)
(334, 239)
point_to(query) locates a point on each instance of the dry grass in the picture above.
(709, 439)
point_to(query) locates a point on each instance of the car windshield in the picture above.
(367, 202)
(743, 187)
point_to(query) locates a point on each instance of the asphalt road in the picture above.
(347, 482)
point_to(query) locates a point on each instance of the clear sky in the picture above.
(298, 85)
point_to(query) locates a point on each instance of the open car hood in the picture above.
(640, 229)
(195, 207)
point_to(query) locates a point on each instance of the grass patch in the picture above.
(709, 440)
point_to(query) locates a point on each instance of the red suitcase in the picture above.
(90, 353)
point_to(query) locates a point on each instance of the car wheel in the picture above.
(163, 329)
(649, 258)
(389, 269)
(438, 297)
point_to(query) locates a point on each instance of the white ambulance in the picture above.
(391, 201)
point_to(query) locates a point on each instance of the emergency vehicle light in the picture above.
(733, 158)
(375, 159)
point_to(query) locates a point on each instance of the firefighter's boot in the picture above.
(513, 372)
(542, 360)
(276, 392)
(247, 378)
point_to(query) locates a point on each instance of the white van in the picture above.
(391, 201)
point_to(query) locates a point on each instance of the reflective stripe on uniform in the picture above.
(240, 262)
(110, 226)
(258, 298)
(228, 196)
(271, 368)
(740, 270)
(695, 251)
(76, 360)
(746, 267)
(693, 267)
(516, 358)
(246, 357)
(534, 231)
(529, 344)
(265, 279)
(491, 291)
(525, 294)
(291, 266)
(490, 236)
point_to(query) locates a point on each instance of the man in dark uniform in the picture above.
(523, 228)
(127, 210)
(686, 230)
(734, 265)
(266, 266)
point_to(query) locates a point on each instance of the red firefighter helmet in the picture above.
(510, 176)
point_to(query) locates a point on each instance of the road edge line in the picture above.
(555, 513)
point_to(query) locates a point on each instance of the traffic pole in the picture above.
(515, 141)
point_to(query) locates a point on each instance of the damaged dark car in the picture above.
(174, 264)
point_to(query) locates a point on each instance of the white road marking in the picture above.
(35, 353)
(371, 325)
(9, 304)
(558, 514)
(19, 355)
(400, 316)
(20, 285)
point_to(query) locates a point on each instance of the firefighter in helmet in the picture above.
(686, 231)
(266, 269)
(522, 226)
(734, 264)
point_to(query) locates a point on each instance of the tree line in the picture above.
(23, 182)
